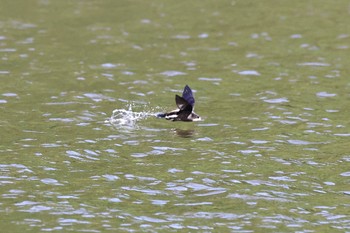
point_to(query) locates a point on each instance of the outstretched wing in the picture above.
(188, 96)
(180, 102)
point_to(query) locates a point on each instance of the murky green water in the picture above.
(271, 80)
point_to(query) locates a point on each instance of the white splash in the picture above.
(128, 118)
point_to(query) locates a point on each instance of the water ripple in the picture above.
(249, 72)
(172, 73)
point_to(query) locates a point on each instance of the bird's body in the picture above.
(185, 109)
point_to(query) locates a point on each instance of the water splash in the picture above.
(128, 118)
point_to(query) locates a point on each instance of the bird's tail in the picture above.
(161, 115)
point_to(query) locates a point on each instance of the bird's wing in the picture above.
(180, 102)
(188, 95)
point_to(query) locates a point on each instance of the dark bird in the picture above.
(185, 109)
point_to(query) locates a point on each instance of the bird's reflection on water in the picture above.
(184, 133)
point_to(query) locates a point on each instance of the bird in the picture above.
(185, 109)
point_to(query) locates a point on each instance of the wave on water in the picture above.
(128, 118)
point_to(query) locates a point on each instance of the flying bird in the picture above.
(185, 109)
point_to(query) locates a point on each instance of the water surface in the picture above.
(81, 150)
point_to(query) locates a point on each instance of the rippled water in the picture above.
(81, 149)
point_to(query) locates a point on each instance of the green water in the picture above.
(271, 81)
